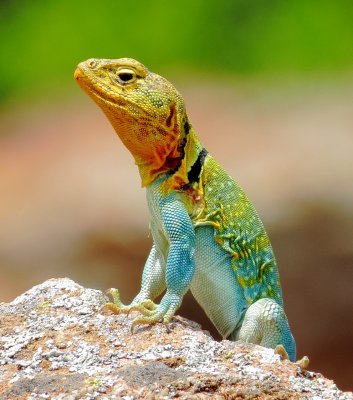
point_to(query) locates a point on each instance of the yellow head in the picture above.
(145, 110)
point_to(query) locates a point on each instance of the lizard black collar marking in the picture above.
(186, 127)
(195, 170)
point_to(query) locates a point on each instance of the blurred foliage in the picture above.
(42, 41)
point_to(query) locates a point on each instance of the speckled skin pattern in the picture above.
(207, 236)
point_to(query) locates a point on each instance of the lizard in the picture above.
(207, 236)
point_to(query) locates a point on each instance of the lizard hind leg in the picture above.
(265, 323)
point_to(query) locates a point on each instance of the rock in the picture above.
(58, 342)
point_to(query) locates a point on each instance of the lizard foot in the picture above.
(154, 313)
(117, 307)
(303, 363)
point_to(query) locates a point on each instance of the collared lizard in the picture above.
(207, 236)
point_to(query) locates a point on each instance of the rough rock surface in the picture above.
(58, 342)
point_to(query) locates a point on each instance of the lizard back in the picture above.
(239, 231)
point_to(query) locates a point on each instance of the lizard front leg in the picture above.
(179, 233)
(153, 284)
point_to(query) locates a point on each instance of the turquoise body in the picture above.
(221, 253)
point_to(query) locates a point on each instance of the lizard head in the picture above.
(145, 110)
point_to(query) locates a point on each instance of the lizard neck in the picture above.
(177, 169)
(191, 152)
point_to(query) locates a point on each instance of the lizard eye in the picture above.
(126, 76)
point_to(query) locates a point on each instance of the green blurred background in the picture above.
(42, 41)
(269, 88)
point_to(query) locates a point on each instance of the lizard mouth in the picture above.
(90, 85)
(77, 74)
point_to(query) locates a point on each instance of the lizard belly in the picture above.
(214, 284)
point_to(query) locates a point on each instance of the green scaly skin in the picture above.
(207, 237)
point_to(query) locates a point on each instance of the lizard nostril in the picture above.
(92, 64)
